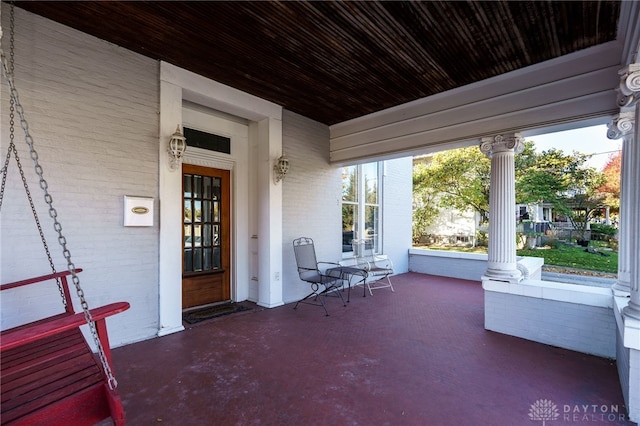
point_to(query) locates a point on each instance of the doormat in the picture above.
(213, 312)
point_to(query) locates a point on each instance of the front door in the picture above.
(206, 236)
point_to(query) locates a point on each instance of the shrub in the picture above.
(482, 239)
(601, 228)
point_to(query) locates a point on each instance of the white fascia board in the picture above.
(575, 87)
(215, 95)
(588, 108)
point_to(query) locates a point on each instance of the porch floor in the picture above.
(419, 356)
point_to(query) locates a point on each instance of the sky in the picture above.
(587, 140)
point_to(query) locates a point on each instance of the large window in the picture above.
(360, 205)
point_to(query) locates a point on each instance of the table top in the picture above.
(346, 270)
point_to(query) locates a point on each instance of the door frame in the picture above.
(265, 132)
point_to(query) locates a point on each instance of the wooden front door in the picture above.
(206, 236)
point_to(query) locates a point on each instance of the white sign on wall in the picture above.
(138, 211)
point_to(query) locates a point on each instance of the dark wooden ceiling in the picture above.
(334, 61)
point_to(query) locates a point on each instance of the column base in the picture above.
(511, 276)
(621, 289)
(632, 310)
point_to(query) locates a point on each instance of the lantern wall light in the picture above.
(281, 167)
(177, 147)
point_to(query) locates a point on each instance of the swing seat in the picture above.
(50, 375)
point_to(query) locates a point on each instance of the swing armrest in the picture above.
(28, 333)
(37, 279)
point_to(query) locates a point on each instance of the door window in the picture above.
(202, 223)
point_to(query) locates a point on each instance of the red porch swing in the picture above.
(49, 374)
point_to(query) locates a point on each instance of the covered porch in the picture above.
(420, 355)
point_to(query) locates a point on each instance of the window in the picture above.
(202, 223)
(360, 205)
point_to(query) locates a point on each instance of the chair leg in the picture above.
(382, 286)
(321, 296)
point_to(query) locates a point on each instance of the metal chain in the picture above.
(12, 148)
(111, 381)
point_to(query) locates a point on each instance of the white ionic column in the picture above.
(502, 264)
(629, 96)
(622, 127)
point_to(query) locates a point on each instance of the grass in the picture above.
(576, 257)
(565, 256)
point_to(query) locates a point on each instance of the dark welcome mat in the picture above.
(213, 312)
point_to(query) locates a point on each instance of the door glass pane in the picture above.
(216, 258)
(197, 214)
(197, 186)
(197, 235)
(207, 259)
(206, 187)
(215, 195)
(206, 235)
(216, 211)
(187, 211)
(216, 235)
(188, 260)
(206, 211)
(186, 182)
(197, 259)
(188, 238)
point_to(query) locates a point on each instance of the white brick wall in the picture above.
(397, 212)
(579, 327)
(311, 198)
(92, 110)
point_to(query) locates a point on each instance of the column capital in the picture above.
(621, 125)
(629, 90)
(501, 143)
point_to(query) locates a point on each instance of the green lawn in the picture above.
(576, 257)
(572, 257)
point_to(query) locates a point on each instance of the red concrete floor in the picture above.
(419, 356)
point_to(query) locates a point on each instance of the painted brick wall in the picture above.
(397, 205)
(311, 198)
(92, 110)
(583, 328)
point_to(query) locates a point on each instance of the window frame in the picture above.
(361, 205)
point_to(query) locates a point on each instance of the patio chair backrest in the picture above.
(362, 249)
(305, 257)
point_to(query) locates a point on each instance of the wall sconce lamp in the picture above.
(177, 147)
(281, 167)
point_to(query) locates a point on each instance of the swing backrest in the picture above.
(61, 277)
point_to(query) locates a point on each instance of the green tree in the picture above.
(456, 179)
(460, 179)
(611, 187)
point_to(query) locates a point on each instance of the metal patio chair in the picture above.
(378, 266)
(309, 270)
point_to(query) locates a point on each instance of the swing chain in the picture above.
(112, 383)
(12, 148)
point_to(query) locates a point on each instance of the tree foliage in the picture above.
(611, 187)
(459, 179)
